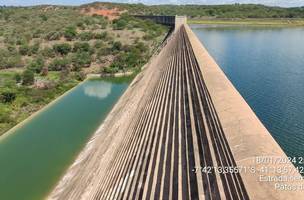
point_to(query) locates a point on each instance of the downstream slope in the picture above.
(163, 140)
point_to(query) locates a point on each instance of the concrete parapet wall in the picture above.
(161, 19)
(180, 20)
(248, 139)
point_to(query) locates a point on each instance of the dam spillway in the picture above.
(177, 126)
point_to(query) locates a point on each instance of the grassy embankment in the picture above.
(251, 22)
(28, 100)
(45, 51)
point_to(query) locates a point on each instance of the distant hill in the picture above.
(210, 11)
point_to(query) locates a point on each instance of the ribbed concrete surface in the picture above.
(175, 132)
(247, 138)
(163, 128)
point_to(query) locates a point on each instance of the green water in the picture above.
(34, 156)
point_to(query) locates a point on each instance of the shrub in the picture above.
(44, 71)
(98, 44)
(28, 77)
(86, 36)
(59, 64)
(80, 60)
(80, 76)
(37, 33)
(34, 49)
(111, 69)
(7, 97)
(80, 25)
(62, 49)
(88, 21)
(103, 52)
(119, 24)
(24, 49)
(148, 36)
(29, 50)
(53, 35)
(11, 48)
(36, 65)
(43, 17)
(48, 52)
(141, 46)
(5, 118)
(64, 73)
(70, 33)
(14, 61)
(18, 77)
(101, 36)
(81, 47)
(116, 46)
(21, 41)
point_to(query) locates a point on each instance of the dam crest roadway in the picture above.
(175, 132)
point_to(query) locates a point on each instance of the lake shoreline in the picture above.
(44, 107)
(36, 113)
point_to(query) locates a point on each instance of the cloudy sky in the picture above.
(283, 3)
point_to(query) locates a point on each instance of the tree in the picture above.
(59, 64)
(62, 49)
(28, 77)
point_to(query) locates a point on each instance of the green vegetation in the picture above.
(62, 49)
(46, 50)
(214, 11)
(70, 33)
(57, 38)
(28, 77)
(18, 101)
(7, 97)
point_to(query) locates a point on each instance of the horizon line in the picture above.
(161, 4)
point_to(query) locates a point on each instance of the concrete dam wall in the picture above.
(180, 131)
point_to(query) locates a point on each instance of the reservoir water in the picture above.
(266, 65)
(35, 155)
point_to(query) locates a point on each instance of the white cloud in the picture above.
(100, 90)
